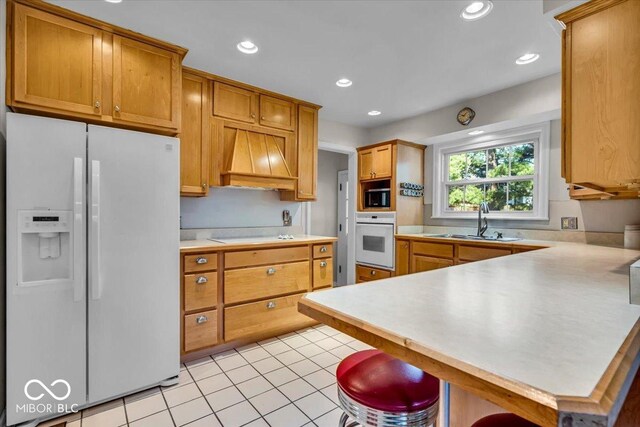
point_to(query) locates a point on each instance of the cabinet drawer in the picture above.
(265, 256)
(200, 262)
(324, 250)
(425, 263)
(444, 250)
(200, 330)
(264, 317)
(366, 274)
(200, 291)
(475, 253)
(277, 113)
(322, 273)
(264, 282)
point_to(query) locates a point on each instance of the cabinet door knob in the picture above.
(201, 319)
(373, 272)
(323, 249)
(262, 118)
(204, 186)
(271, 304)
(200, 280)
(271, 271)
(323, 264)
(116, 108)
(97, 104)
(253, 116)
(201, 260)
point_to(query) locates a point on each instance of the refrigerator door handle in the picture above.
(78, 229)
(96, 284)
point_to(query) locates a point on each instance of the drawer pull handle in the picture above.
(201, 260)
(271, 304)
(201, 319)
(373, 272)
(200, 280)
(323, 264)
(271, 271)
(323, 249)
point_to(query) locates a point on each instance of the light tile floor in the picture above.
(286, 381)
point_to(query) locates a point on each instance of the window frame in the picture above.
(537, 134)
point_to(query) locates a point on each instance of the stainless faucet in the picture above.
(482, 221)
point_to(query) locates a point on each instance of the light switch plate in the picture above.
(569, 223)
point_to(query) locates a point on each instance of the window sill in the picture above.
(492, 217)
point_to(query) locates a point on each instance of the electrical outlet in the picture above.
(569, 222)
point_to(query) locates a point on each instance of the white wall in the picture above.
(324, 213)
(3, 133)
(340, 133)
(538, 98)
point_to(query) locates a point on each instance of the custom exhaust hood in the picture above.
(256, 159)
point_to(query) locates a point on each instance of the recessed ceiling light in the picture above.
(344, 83)
(113, 1)
(374, 113)
(476, 132)
(476, 10)
(247, 47)
(527, 58)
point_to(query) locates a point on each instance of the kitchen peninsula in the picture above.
(546, 334)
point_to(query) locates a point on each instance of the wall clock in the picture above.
(465, 116)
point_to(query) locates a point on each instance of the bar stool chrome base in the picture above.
(367, 416)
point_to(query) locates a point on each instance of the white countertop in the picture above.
(230, 243)
(552, 319)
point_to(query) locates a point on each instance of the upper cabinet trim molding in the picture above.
(87, 20)
(594, 6)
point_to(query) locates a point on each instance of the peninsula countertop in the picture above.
(547, 334)
(190, 246)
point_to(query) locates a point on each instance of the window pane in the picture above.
(477, 164)
(455, 197)
(521, 195)
(457, 166)
(522, 160)
(474, 195)
(497, 196)
(498, 162)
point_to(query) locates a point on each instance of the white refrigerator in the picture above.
(92, 264)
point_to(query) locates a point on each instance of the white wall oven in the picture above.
(375, 239)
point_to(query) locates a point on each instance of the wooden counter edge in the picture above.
(528, 402)
(248, 246)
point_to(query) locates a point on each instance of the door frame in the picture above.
(353, 179)
(341, 259)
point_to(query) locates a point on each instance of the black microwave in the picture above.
(377, 198)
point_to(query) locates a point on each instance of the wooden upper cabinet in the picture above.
(365, 162)
(376, 162)
(234, 103)
(307, 153)
(601, 93)
(195, 136)
(57, 63)
(64, 64)
(146, 84)
(382, 161)
(277, 113)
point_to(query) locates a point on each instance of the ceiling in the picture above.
(404, 57)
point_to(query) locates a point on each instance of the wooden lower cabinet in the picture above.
(264, 317)
(200, 262)
(367, 274)
(200, 330)
(248, 284)
(322, 273)
(403, 257)
(421, 263)
(477, 253)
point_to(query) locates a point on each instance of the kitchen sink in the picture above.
(473, 237)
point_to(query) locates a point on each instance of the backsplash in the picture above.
(227, 207)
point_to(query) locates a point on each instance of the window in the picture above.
(508, 170)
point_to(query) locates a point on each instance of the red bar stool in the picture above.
(503, 420)
(378, 390)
